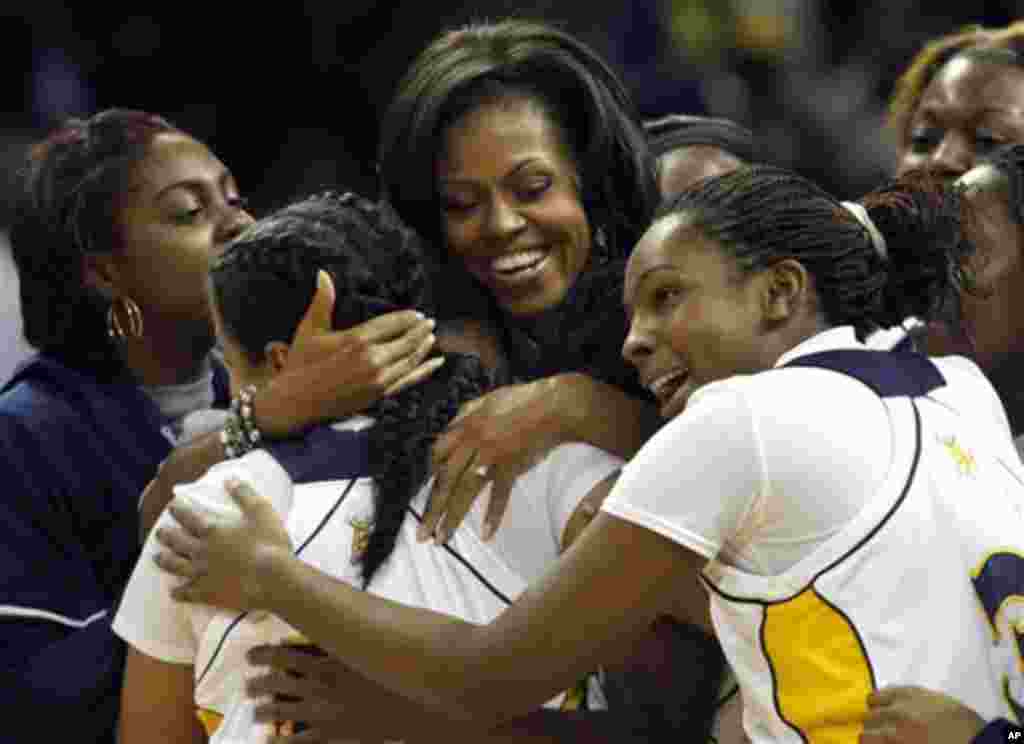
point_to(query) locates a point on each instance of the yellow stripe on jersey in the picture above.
(822, 676)
(210, 719)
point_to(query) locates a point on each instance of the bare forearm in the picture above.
(544, 643)
(606, 417)
(410, 722)
(442, 663)
(415, 653)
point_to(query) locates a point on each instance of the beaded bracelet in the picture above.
(240, 434)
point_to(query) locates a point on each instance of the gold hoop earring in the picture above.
(115, 329)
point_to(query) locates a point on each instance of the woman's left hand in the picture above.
(494, 439)
(223, 555)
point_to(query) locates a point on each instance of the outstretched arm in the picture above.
(607, 589)
(336, 704)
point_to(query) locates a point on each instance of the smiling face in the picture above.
(971, 106)
(510, 205)
(180, 208)
(694, 317)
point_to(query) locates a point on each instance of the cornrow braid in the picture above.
(66, 210)
(764, 214)
(407, 426)
(927, 269)
(263, 284)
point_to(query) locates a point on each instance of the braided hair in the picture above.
(764, 214)
(66, 210)
(264, 282)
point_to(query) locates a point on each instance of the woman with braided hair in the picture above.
(357, 523)
(118, 216)
(832, 499)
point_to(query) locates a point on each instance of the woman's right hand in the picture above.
(334, 374)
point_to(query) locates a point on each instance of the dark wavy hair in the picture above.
(486, 62)
(263, 283)
(763, 214)
(66, 210)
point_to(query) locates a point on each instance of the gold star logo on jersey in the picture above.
(360, 536)
(963, 458)
(210, 719)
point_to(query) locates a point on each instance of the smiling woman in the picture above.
(518, 153)
(827, 495)
(510, 203)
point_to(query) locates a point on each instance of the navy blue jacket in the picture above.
(75, 455)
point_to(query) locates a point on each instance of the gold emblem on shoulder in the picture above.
(963, 457)
(361, 527)
(210, 719)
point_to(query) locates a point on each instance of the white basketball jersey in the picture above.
(329, 525)
(925, 586)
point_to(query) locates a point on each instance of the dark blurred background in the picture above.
(290, 96)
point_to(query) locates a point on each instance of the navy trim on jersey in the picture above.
(323, 454)
(890, 374)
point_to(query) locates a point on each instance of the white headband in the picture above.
(877, 239)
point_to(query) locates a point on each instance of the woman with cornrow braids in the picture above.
(843, 507)
(358, 523)
(118, 216)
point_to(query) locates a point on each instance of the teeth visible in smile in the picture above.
(516, 261)
(664, 384)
